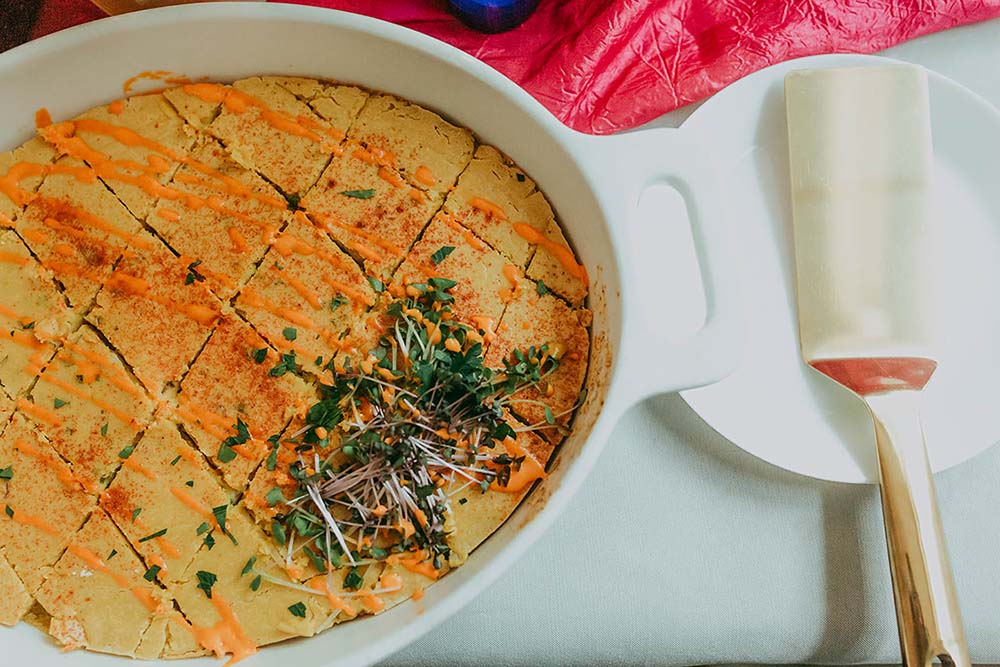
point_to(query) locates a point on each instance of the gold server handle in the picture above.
(930, 623)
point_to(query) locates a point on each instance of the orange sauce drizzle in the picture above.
(63, 472)
(417, 195)
(134, 465)
(353, 293)
(38, 412)
(373, 603)
(513, 276)
(227, 636)
(562, 253)
(116, 107)
(300, 288)
(43, 118)
(26, 519)
(425, 176)
(94, 562)
(471, 239)
(530, 470)
(319, 584)
(239, 241)
(163, 75)
(168, 214)
(488, 207)
(390, 177)
(417, 595)
(14, 258)
(415, 563)
(104, 405)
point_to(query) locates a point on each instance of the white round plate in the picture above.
(774, 406)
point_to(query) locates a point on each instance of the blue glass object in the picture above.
(492, 15)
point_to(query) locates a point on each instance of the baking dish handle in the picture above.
(652, 362)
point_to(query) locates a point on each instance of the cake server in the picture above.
(861, 162)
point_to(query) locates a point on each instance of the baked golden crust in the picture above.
(180, 273)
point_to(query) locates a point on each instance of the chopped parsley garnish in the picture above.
(293, 201)
(290, 333)
(543, 288)
(441, 253)
(520, 177)
(226, 451)
(278, 531)
(462, 501)
(153, 536)
(255, 584)
(190, 483)
(359, 194)
(260, 355)
(298, 609)
(126, 452)
(220, 513)
(248, 568)
(29, 325)
(338, 301)
(7, 473)
(272, 458)
(135, 513)
(152, 573)
(176, 460)
(353, 580)
(209, 541)
(114, 552)
(9, 510)
(275, 496)
(192, 274)
(205, 582)
(286, 365)
(58, 403)
(203, 528)
(104, 429)
(376, 284)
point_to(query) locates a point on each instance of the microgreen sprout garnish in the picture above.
(393, 434)
(7, 473)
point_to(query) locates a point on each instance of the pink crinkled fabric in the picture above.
(607, 65)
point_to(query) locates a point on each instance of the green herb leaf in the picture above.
(114, 552)
(353, 580)
(376, 284)
(338, 301)
(126, 452)
(226, 453)
(135, 513)
(549, 416)
(278, 531)
(153, 536)
(290, 333)
(203, 528)
(152, 573)
(190, 483)
(519, 176)
(104, 429)
(205, 582)
(192, 274)
(298, 609)
(293, 201)
(260, 355)
(209, 541)
(9, 510)
(255, 584)
(29, 325)
(249, 566)
(176, 460)
(286, 365)
(542, 288)
(58, 403)
(7, 473)
(441, 253)
(275, 496)
(220, 513)
(359, 194)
